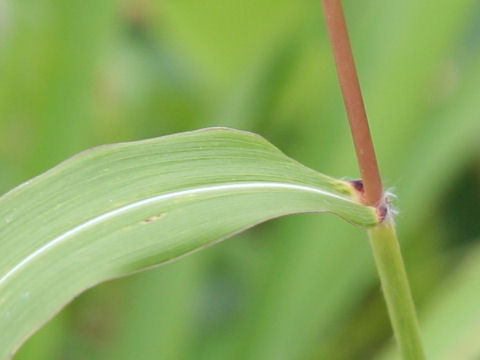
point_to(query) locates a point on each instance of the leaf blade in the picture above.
(122, 208)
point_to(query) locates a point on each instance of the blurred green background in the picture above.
(78, 73)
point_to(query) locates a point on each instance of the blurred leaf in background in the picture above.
(74, 74)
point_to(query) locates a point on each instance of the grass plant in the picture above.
(79, 74)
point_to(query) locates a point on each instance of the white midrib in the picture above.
(159, 198)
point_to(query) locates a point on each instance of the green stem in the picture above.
(383, 237)
(396, 289)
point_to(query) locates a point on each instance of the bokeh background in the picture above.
(79, 73)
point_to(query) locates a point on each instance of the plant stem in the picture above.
(352, 96)
(383, 237)
(386, 250)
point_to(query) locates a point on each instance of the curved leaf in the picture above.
(121, 208)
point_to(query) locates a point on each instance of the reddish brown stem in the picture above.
(352, 96)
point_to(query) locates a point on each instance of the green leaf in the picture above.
(122, 208)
